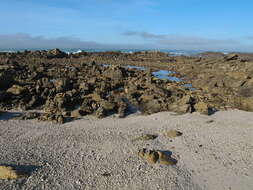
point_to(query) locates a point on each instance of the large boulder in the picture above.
(152, 106)
(201, 107)
(182, 105)
(231, 56)
(56, 53)
(115, 72)
(244, 103)
(247, 83)
(61, 84)
(77, 113)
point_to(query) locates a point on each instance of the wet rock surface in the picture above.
(68, 86)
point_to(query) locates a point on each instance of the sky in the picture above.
(154, 24)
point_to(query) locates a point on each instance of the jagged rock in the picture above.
(149, 107)
(107, 105)
(182, 105)
(131, 89)
(61, 84)
(211, 54)
(77, 113)
(244, 103)
(115, 73)
(6, 80)
(30, 115)
(246, 92)
(100, 112)
(201, 107)
(60, 119)
(122, 108)
(57, 118)
(56, 53)
(96, 97)
(3, 96)
(247, 83)
(146, 98)
(84, 86)
(231, 56)
(16, 90)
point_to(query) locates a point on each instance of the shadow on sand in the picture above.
(25, 170)
(168, 154)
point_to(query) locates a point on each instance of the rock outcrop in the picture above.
(68, 86)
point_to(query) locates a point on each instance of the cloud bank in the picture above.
(27, 41)
(151, 41)
(145, 35)
(21, 41)
(186, 42)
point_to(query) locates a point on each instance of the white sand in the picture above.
(216, 155)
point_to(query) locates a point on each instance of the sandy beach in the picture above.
(126, 95)
(214, 152)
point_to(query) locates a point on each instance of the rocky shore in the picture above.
(171, 138)
(67, 86)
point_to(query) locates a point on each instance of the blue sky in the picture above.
(171, 24)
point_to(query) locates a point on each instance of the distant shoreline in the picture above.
(170, 52)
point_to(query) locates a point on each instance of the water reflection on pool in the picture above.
(160, 74)
(165, 74)
(135, 67)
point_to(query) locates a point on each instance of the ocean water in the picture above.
(172, 52)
